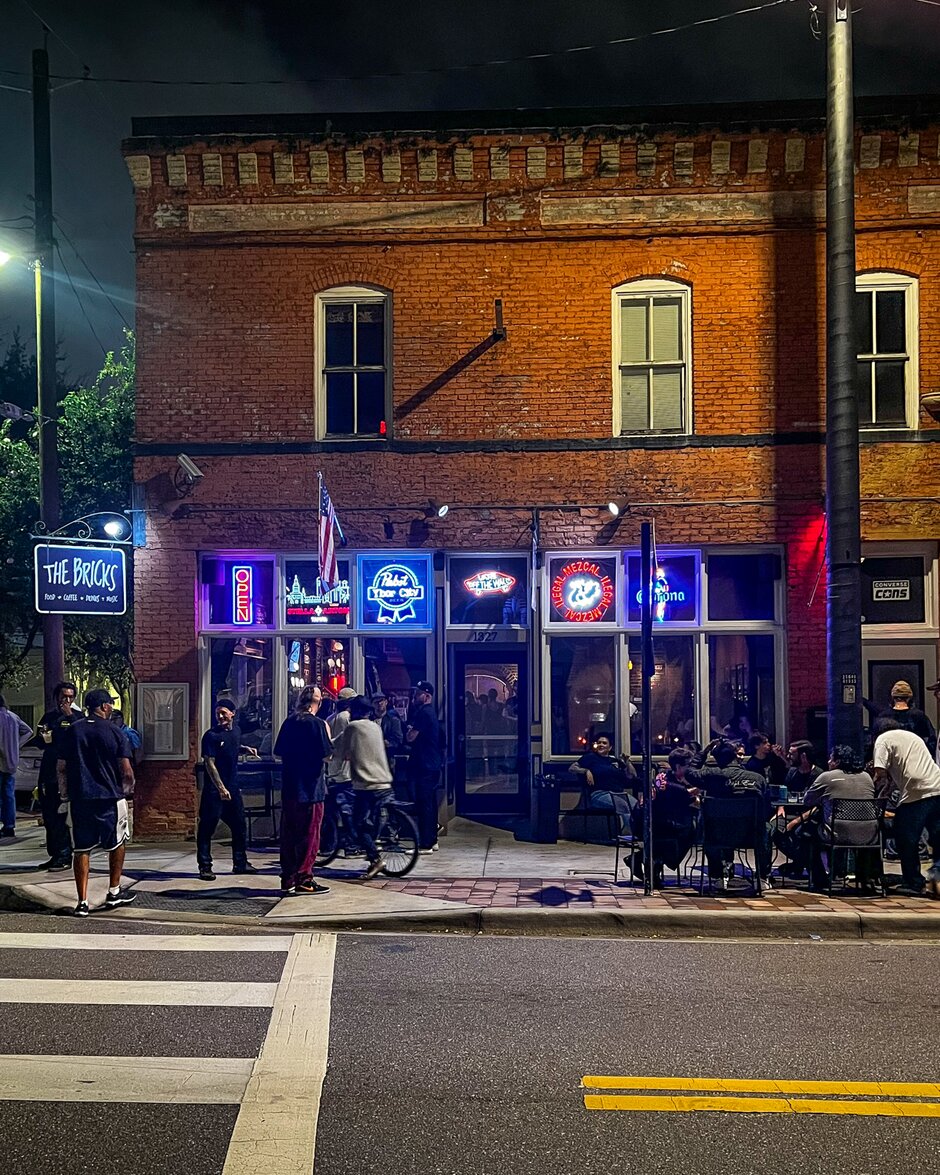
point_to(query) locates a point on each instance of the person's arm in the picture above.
(127, 777)
(213, 773)
(396, 737)
(882, 783)
(24, 730)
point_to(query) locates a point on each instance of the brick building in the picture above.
(324, 294)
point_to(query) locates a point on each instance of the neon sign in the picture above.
(242, 595)
(582, 592)
(674, 590)
(663, 595)
(490, 583)
(317, 604)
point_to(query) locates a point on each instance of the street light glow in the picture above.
(5, 256)
(114, 528)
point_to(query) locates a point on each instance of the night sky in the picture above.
(328, 57)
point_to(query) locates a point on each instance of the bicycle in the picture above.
(396, 835)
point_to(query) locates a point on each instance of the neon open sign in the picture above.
(242, 595)
(582, 592)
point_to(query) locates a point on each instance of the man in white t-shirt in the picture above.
(902, 757)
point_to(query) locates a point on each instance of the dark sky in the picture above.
(304, 43)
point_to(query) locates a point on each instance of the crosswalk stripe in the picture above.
(118, 991)
(186, 1080)
(744, 1085)
(762, 1105)
(276, 1128)
(145, 942)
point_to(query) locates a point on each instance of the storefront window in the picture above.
(583, 691)
(893, 590)
(742, 587)
(238, 592)
(308, 601)
(488, 589)
(322, 661)
(396, 591)
(394, 666)
(672, 693)
(675, 589)
(240, 670)
(742, 687)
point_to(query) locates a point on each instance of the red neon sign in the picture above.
(242, 595)
(581, 593)
(490, 583)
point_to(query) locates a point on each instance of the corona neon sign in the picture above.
(243, 595)
(581, 592)
(663, 596)
(490, 583)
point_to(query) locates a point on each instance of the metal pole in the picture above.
(53, 643)
(843, 544)
(647, 570)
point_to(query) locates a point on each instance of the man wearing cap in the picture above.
(221, 796)
(95, 776)
(388, 720)
(425, 761)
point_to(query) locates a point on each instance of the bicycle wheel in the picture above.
(329, 840)
(397, 841)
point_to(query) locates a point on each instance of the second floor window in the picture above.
(886, 346)
(353, 367)
(651, 357)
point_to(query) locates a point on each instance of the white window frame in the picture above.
(929, 627)
(360, 294)
(644, 289)
(904, 283)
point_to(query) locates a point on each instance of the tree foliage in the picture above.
(96, 427)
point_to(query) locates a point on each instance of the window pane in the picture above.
(741, 587)
(339, 334)
(394, 666)
(889, 322)
(864, 393)
(667, 399)
(633, 346)
(634, 407)
(667, 329)
(583, 691)
(256, 591)
(889, 392)
(240, 670)
(893, 593)
(741, 685)
(863, 336)
(672, 716)
(370, 334)
(322, 661)
(339, 403)
(371, 392)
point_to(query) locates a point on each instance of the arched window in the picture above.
(652, 357)
(886, 333)
(353, 362)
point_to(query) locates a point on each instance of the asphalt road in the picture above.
(465, 1056)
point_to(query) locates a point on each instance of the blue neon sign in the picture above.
(395, 591)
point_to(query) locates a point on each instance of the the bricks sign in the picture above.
(80, 581)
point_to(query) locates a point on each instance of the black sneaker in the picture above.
(81, 910)
(206, 875)
(59, 866)
(7, 832)
(312, 887)
(246, 868)
(123, 897)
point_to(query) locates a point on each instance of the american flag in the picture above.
(326, 549)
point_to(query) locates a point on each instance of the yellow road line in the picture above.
(762, 1105)
(738, 1085)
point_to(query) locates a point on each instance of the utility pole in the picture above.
(53, 642)
(843, 543)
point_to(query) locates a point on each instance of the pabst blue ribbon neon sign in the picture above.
(242, 595)
(581, 592)
(490, 583)
(396, 589)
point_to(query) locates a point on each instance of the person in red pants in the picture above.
(303, 745)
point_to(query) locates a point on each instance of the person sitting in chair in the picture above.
(608, 778)
(674, 804)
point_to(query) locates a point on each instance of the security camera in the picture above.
(190, 468)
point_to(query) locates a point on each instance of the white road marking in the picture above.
(276, 1128)
(135, 991)
(185, 1080)
(145, 942)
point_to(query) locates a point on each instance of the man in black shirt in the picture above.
(803, 771)
(425, 761)
(94, 776)
(303, 744)
(765, 759)
(48, 734)
(221, 795)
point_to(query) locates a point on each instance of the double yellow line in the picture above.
(691, 1094)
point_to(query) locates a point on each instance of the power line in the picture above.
(434, 70)
(81, 304)
(90, 273)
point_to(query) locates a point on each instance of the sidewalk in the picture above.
(481, 880)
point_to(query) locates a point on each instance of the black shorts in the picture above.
(98, 824)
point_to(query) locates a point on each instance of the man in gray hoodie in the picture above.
(363, 749)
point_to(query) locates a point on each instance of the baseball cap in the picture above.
(98, 697)
(226, 704)
(901, 689)
(359, 706)
(379, 696)
(346, 693)
(425, 687)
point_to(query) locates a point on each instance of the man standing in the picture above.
(901, 756)
(51, 726)
(221, 795)
(423, 737)
(14, 733)
(95, 776)
(388, 720)
(303, 745)
(363, 749)
(903, 711)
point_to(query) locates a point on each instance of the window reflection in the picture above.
(240, 670)
(742, 686)
(322, 661)
(672, 693)
(583, 691)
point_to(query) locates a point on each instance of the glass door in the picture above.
(490, 697)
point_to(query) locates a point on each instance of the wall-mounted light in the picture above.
(615, 509)
(436, 509)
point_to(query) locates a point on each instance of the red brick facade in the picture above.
(228, 274)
